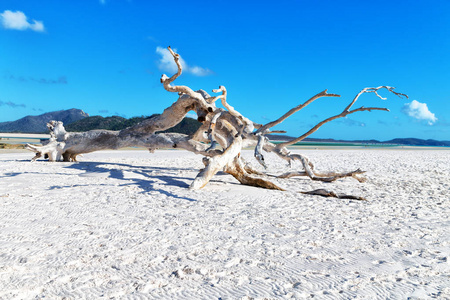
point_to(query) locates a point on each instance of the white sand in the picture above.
(123, 225)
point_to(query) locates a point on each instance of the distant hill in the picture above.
(99, 122)
(398, 141)
(418, 142)
(77, 120)
(187, 126)
(38, 124)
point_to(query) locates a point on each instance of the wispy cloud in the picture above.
(19, 21)
(394, 122)
(19, 78)
(167, 64)
(389, 123)
(350, 122)
(150, 38)
(103, 2)
(419, 111)
(60, 80)
(12, 104)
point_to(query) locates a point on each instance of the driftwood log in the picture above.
(220, 139)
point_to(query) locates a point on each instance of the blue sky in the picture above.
(106, 58)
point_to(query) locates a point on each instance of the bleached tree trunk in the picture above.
(226, 128)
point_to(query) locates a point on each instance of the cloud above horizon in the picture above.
(419, 111)
(167, 64)
(60, 80)
(12, 104)
(350, 122)
(19, 21)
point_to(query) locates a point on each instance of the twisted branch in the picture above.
(344, 113)
(226, 127)
(249, 127)
(294, 110)
(375, 90)
(181, 89)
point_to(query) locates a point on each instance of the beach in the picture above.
(124, 225)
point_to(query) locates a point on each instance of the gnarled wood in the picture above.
(226, 128)
(247, 177)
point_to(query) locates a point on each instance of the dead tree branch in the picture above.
(345, 113)
(294, 110)
(226, 128)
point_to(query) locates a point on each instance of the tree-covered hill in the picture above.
(187, 126)
(38, 124)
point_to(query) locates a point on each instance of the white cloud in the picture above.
(167, 64)
(199, 71)
(18, 21)
(419, 111)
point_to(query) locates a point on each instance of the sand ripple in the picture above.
(123, 225)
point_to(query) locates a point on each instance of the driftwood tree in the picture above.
(220, 139)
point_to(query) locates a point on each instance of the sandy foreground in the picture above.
(124, 225)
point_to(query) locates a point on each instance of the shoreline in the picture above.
(24, 138)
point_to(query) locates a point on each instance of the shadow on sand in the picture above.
(152, 175)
